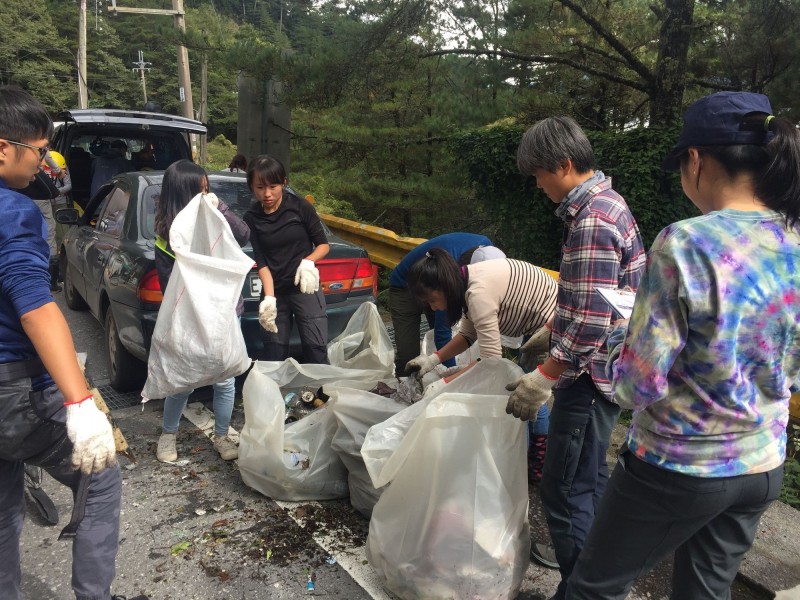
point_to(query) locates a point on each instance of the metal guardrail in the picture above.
(386, 248)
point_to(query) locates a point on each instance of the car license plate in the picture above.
(253, 286)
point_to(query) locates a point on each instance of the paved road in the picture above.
(194, 530)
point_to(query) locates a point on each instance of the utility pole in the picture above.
(142, 66)
(83, 96)
(183, 63)
(204, 99)
(184, 81)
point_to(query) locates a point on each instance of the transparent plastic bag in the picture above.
(293, 462)
(454, 521)
(364, 343)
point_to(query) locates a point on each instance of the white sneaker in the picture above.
(226, 447)
(166, 451)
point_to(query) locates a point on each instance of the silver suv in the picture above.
(99, 143)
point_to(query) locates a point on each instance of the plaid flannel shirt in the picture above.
(602, 248)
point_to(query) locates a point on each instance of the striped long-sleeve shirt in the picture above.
(602, 248)
(505, 297)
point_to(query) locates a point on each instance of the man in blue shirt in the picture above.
(48, 416)
(407, 311)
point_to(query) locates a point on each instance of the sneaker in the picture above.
(226, 447)
(166, 451)
(545, 555)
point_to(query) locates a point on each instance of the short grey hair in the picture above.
(550, 142)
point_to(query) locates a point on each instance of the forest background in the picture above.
(407, 113)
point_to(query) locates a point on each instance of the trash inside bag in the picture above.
(453, 519)
(266, 443)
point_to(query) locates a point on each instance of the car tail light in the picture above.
(150, 289)
(342, 275)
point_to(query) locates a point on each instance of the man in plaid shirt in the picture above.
(602, 248)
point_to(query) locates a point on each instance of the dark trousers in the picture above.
(575, 471)
(407, 314)
(308, 311)
(33, 430)
(648, 513)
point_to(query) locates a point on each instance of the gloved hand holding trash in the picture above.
(267, 312)
(307, 277)
(530, 393)
(88, 429)
(422, 364)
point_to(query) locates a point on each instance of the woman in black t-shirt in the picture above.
(287, 238)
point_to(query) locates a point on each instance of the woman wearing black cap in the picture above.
(712, 348)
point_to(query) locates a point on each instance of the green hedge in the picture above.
(524, 221)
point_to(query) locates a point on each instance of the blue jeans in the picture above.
(542, 422)
(575, 472)
(224, 392)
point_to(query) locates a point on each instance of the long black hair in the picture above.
(183, 180)
(437, 271)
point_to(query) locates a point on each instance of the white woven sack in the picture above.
(197, 339)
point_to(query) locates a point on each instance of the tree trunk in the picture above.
(666, 95)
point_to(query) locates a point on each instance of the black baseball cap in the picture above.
(719, 120)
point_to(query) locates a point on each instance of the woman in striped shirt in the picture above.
(491, 298)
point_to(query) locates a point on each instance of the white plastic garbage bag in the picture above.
(355, 412)
(293, 462)
(453, 524)
(364, 343)
(197, 339)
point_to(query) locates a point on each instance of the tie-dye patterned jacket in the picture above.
(713, 345)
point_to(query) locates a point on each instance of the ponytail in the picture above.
(778, 183)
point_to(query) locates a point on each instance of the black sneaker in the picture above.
(545, 555)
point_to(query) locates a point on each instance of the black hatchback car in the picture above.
(108, 265)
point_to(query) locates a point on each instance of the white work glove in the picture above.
(212, 198)
(530, 392)
(424, 363)
(307, 277)
(531, 351)
(267, 312)
(93, 447)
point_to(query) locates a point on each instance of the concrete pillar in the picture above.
(264, 123)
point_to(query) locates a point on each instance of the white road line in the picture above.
(352, 559)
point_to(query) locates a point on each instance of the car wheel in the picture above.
(127, 373)
(71, 295)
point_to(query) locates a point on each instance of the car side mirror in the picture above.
(67, 216)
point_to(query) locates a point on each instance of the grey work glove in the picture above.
(88, 429)
(423, 364)
(307, 277)
(530, 353)
(267, 312)
(530, 393)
